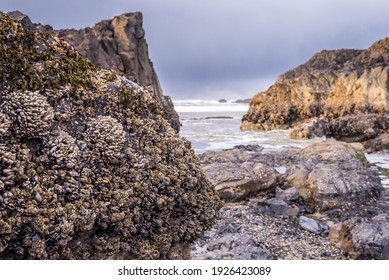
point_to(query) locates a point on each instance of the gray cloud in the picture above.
(222, 47)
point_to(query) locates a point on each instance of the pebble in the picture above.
(310, 225)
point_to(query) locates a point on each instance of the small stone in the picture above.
(280, 208)
(288, 194)
(310, 225)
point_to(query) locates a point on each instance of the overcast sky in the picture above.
(222, 48)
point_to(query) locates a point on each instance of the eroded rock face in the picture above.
(89, 167)
(331, 84)
(118, 44)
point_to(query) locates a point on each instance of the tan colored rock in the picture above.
(331, 84)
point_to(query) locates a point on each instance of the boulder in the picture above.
(310, 225)
(279, 207)
(89, 167)
(235, 181)
(288, 194)
(364, 239)
(330, 176)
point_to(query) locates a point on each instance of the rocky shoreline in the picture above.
(91, 168)
(320, 202)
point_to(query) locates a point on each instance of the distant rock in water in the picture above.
(330, 85)
(219, 118)
(118, 44)
(222, 100)
(89, 167)
(242, 101)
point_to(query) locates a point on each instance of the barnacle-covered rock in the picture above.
(29, 112)
(105, 136)
(89, 167)
(5, 124)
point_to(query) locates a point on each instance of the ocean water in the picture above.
(211, 125)
(381, 161)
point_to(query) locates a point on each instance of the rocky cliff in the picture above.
(89, 168)
(118, 44)
(331, 84)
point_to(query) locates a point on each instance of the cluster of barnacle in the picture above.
(93, 170)
(61, 148)
(29, 112)
(105, 136)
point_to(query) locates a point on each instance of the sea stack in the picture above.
(331, 85)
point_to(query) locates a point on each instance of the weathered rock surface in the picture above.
(358, 127)
(330, 85)
(89, 168)
(118, 44)
(329, 175)
(310, 225)
(239, 175)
